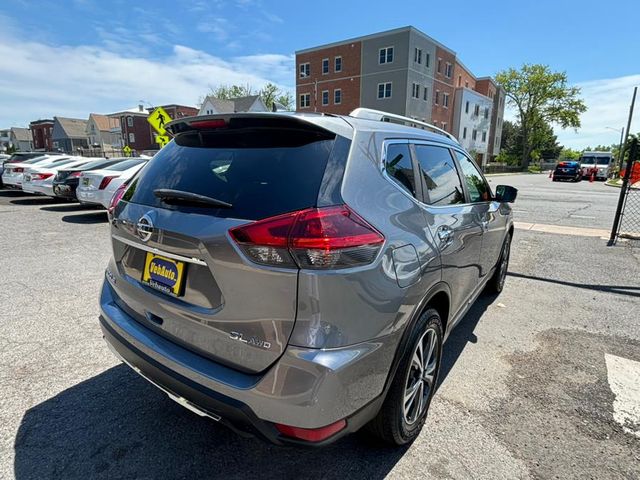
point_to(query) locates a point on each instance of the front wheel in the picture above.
(496, 284)
(404, 411)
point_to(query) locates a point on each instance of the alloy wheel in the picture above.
(421, 376)
(504, 262)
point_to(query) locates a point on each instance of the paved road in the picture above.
(581, 204)
(537, 383)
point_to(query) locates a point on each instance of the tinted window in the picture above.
(399, 167)
(126, 165)
(261, 173)
(440, 175)
(56, 163)
(95, 164)
(478, 189)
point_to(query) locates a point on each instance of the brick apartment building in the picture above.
(41, 131)
(174, 111)
(132, 128)
(406, 72)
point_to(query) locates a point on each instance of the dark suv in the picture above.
(567, 171)
(295, 276)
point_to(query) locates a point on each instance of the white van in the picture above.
(603, 161)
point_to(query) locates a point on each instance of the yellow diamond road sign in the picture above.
(158, 119)
(162, 140)
(127, 150)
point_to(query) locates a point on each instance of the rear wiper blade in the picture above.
(168, 195)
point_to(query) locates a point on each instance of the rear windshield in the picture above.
(56, 162)
(260, 173)
(126, 165)
(34, 160)
(95, 164)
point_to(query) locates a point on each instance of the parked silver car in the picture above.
(295, 276)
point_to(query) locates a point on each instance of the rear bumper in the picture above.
(305, 388)
(94, 197)
(64, 191)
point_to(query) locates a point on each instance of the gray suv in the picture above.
(295, 276)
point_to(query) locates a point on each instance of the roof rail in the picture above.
(380, 116)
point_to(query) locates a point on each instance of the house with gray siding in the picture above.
(69, 134)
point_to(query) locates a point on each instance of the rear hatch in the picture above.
(201, 291)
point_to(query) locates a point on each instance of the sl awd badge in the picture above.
(253, 341)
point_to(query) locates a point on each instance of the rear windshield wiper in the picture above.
(188, 198)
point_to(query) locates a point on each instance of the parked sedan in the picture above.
(14, 172)
(39, 179)
(97, 187)
(67, 179)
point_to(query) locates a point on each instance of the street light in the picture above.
(619, 162)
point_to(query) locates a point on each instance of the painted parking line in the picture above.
(562, 229)
(624, 380)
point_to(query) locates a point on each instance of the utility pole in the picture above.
(623, 143)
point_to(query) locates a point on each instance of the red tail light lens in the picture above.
(18, 170)
(106, 181)
(208, 124)
(41, 176)
(75, 175)
(311, 434)
(315, 238)
(117, 196)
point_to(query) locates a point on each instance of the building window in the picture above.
(338, 64)
(437, 101)
(415, 92)
(486, 112)
(337, 96)
(325, 66)
(325, 97)
(417, 55)
(484, 135)
(459, 80)
(466, 107)
(448, 72)
(439, 65)
(305, 70)
(386, 55)
(474, 135)
(305, 100)
(464, 132)
(130, 121)
(466, 84)
(132, 137)
(384, 90)
(444, 125)
(445, 100)
(425, 93)
(476, 110)
(427, 60)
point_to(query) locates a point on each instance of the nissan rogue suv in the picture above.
(295, 276)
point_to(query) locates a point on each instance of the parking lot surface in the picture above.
(536, 383)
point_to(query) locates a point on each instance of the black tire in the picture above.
(496, 284)
(390, 424)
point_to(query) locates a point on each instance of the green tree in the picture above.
(270, 93)
(540, 97)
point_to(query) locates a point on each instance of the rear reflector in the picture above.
(311, 434)
(208, 124)
(316, 238)
(106, 181)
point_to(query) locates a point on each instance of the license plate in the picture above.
(163, 274)
(86, 181)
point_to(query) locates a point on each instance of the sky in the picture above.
(75, 57)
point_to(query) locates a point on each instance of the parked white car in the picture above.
(39, 178)
(98, 186)
(14, 172)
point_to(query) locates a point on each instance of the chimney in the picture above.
(140, 107)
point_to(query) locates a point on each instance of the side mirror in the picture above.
(506, 194)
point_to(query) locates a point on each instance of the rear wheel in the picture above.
(496, 284)
(404, 411)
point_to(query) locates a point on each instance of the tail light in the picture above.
(41, 176)
(18, 170)
(106, 181)
(315, 238)
(75, 175)
(117, 196)
(208, 124)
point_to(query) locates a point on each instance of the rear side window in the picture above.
(399, 167)
(440, 175)
(478, 189)
(261, 173)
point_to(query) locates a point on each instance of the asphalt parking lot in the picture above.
(537, 382)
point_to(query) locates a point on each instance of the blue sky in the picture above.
(79, 56)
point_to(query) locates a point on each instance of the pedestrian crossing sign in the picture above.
(158, 119)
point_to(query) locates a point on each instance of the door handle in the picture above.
(445, 234)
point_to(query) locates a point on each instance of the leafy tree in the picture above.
(540, 97)
(270, 93)
(569, 154)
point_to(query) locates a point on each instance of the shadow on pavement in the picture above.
(87, 218)
(14, 194)
(68, 207)
(37, 200)
(116, 425)
(632, 291)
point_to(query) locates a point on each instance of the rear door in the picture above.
(454, 223)
(185, 276)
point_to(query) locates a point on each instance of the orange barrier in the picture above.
(635, 173)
